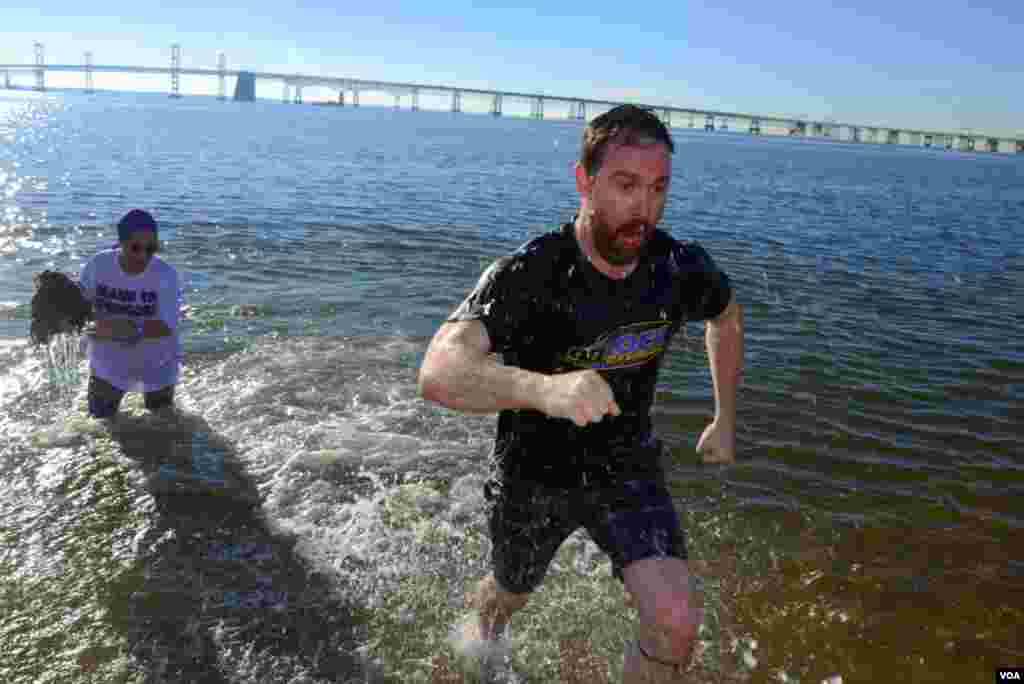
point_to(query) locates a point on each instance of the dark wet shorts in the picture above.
(105, 399)
(629, 520)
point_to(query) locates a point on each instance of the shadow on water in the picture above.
(219, 595)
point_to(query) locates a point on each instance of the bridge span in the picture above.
(541, 105)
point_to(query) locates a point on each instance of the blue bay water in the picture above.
(322, 246)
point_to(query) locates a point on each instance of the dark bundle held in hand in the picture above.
(58, 305)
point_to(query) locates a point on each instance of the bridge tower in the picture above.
(88, 72)
(222, 66)
(175, 70)
(40, 68)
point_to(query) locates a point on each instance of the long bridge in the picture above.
(540, 104)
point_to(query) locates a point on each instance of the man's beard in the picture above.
(609, 242)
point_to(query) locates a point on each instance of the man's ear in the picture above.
(584, 183)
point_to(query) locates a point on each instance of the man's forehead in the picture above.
(141, 233)
(649, 160)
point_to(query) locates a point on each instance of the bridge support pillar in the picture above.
(755, 127)
(456, 102)
(398, 102)
(415, 99)
(245, 87)
(7, 80)
(88, 72)
(992, 144)
(709, 122)
(175, 70)
(341, 98)
(298, 94)
(854, 134)
(40, 70)
(284, 92)
(537, 108)
(355, 97)
(222, 65)
(496, 105)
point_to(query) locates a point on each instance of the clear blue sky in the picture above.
(945, 66)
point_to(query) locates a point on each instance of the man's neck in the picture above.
(125, 267)
(585, 237)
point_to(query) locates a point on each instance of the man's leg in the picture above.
(104, 398)
(669, 620)
(527, 525)
(162, 398)
(495, 606)
(636, 524)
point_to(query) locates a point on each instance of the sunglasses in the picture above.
(137, 247)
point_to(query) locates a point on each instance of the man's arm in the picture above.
(153, 328)
(172, 300)
(458, 372)
(724, 341)
(114, 328)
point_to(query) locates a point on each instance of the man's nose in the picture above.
(642, 203)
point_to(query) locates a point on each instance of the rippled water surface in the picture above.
(871, 527)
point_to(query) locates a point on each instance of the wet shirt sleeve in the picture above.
(706, 287)
(500, 301)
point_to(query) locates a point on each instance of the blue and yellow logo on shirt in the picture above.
(627, 346)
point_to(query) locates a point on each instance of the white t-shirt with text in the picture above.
(150, 364)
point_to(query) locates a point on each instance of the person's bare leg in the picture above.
(659, 588)
(495, 606)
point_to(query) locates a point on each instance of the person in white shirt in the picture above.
(137, 299)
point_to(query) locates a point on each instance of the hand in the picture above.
(115, 328)
(718, 443)
(581, 396)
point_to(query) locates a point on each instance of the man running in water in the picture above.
(137, 300)
(582, 317)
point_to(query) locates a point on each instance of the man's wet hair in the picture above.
(625, 125)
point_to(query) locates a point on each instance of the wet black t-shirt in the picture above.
(547, 309)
